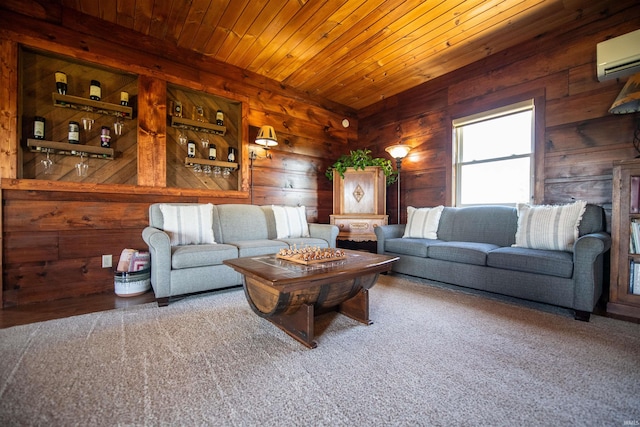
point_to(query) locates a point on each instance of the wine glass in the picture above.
(205, 141)
(47, 165)
(117, 126)
(87, 123)
(82, 168)
(182, 138)
(197, 168)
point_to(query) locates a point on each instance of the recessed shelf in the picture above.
(190, 161)
(36, 145)
(196, 126)
(84, 104)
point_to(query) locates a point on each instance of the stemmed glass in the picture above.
(47, 165)
(117, 126)
(182, 138)
(82, 167)
(205, 141)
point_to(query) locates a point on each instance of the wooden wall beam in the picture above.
(152, 131)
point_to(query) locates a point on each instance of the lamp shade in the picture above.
(628, 101)
(267, 137)
(398, 151)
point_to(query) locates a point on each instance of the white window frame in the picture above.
(506, 110)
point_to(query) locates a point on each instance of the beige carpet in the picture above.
(433, 357)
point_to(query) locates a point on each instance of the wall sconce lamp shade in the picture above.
(398, 151)
(628, 101)
(267, 137)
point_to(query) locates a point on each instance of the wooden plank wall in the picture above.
(580, 141)
(54, 233)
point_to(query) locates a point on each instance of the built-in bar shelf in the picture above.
(190, 161)
(41, 145)
(98, 107)
(196, 126)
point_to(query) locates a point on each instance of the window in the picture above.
(494, 156)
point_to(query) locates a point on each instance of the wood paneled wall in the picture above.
(579, 138)
(54, 233)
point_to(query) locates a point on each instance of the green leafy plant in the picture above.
(360, 159)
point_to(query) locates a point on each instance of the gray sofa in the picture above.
(239, 231)
(474, 249)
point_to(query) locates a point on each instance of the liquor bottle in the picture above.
(231, 157)
(95, 91)
(38, 127)
(74, 133)
(177, 109)
(105, 137)
(124, 98)
(61, 82)
(220, 118)
(212, 151)
(191, 149)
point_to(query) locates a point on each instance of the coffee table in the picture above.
(290, 295)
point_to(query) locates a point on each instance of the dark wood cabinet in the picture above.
(624, 294)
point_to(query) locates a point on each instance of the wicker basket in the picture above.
(132, 283)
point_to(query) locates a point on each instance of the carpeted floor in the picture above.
(433, 356)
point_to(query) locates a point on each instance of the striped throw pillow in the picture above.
(423, 223)
(291, 221)
(549, 227)
(188, 224)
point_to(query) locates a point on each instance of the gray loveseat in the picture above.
(239, 231)
(474, 249)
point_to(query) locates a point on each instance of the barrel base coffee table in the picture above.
(290, 295)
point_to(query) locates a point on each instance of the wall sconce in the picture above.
(266, 138)
(628, 101)
(398, 152)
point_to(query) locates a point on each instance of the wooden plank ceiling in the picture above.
(353, 52)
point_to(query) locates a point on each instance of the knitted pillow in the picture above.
(549, 227)
(188, 224)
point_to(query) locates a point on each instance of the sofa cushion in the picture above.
(241, 222)
(408, 246)
(201, 255)
(551, 263)
(188, 224)
(482, 224)
(258, 247)
(462, 252)
(422, 223)
(549, 227)
(291, 221)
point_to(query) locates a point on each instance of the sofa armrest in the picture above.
(326, 232)
(588, 264)
(160, 250)
(387, 232)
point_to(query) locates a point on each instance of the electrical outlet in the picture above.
(107, 261)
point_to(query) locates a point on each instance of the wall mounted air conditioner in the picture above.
(619, 57)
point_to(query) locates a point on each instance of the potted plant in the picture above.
(359, 159)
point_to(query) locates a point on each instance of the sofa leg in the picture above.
(582, 315)
(162, 302)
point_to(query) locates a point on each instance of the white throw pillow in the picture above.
(423, 222)
(188, 224)
(549, 227)
(291, 221)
